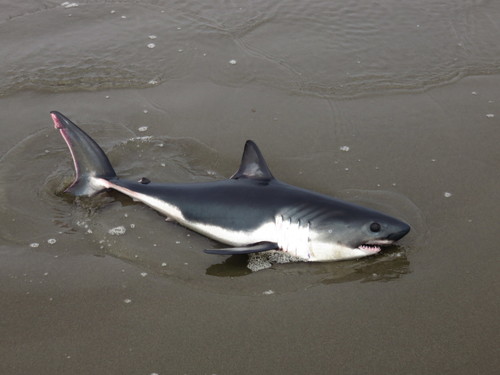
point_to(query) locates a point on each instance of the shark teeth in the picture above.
(369, 248)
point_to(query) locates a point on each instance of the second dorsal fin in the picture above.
(253, 164)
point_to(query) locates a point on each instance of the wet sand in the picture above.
(83, 300)
(72, 310)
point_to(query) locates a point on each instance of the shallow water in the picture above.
(392, 105)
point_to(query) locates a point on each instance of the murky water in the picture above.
(339, 49)
(390, 104)
(107, 225)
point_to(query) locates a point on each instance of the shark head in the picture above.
(352, 231)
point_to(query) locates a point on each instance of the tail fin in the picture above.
(89, 159)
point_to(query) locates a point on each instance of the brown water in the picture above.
(411, 87)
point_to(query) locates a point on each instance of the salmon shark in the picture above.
(250, 212)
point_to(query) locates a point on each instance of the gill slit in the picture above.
(293, 236)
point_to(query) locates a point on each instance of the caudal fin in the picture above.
(89, 159)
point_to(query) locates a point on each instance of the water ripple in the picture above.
(321, 48)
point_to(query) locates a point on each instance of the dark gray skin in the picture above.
(252, 211)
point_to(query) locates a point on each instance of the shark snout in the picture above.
(403, 231)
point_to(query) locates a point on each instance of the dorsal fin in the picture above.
(253, 164)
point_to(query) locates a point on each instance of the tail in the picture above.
(90, 161)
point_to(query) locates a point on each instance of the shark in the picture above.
(250, 212)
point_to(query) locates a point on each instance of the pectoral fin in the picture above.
(254, 248)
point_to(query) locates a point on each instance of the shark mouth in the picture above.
(373, 247)
(369, 249)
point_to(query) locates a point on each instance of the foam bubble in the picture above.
(67, 4)
(263, 260)
(117, 231)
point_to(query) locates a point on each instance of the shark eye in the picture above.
(375, 227)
